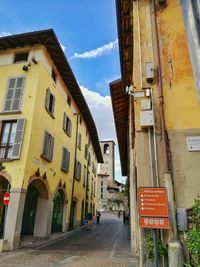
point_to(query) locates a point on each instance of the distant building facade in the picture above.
(108, 198)
(49, 147)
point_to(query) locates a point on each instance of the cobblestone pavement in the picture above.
(103, 245)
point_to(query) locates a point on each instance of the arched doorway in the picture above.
(4, 186)
(35, 209)
(58, 212)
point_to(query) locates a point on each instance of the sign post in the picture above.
(6, 199)
(153, 211)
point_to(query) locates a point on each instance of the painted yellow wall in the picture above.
(38, 79)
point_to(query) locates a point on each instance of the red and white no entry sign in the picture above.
(6, 198)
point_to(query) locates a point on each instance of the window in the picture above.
(106, 149)
(101, 195)
(21, 57)
(88, 177)
(47, 152)
(50, 102)
(89, 159)
(92, 186)
(78, 170)
(86, 151)
(79, 141)
(84, 176)
(80, 120)
(69, 100)
(93, 167)
(11, 139)
(65, 160)
(14, 94)
(101, 183)
(67, 125)
(101, 189)
(53, 75)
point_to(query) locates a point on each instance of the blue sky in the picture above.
(87, 31)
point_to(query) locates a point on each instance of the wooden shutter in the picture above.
(45, 146)
(14, 94)
(76, 169)
(65, 122)
(79, 171)
(69, 127)
(65, 160)
(53, 105)
(51, 146)
(47, 101)
(18, 139)
(86, 151)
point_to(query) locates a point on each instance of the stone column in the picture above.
(43, 212)
(13, 221)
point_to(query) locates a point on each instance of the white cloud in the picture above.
(105, 49)
(101, 109)
(2, 34)
(63, 47)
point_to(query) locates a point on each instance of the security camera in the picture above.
(25, 68)
(34, 60)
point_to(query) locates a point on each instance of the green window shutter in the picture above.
(47, 100)
(65, 122)
(18, 139)
(14, 94)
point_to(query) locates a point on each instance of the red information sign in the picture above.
(150, 222)
(153, 201)
(6, 198)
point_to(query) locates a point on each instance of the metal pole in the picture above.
(155, 241)
(6, 209)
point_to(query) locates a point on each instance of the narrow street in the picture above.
(106, 244)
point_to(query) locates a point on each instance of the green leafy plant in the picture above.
(149, 247)
(193, 244)
(193, 235)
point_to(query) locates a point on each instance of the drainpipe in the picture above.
(73, 181)
(175, 250)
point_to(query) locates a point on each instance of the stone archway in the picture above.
(59, 211)
(4, 186)
(36, 209)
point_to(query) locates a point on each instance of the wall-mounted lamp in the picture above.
(34, 60)
(26, 67)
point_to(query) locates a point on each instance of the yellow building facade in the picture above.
(49, 144)
(157, 100)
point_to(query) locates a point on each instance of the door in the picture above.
(57, 213)
(30, 211)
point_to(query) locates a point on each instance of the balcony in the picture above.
(5, 150)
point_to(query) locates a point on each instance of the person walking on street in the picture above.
(124, 216)
(89, 217)
(98, 216)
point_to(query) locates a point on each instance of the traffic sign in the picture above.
(153, 201)
(6, 198)
(150, 222)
